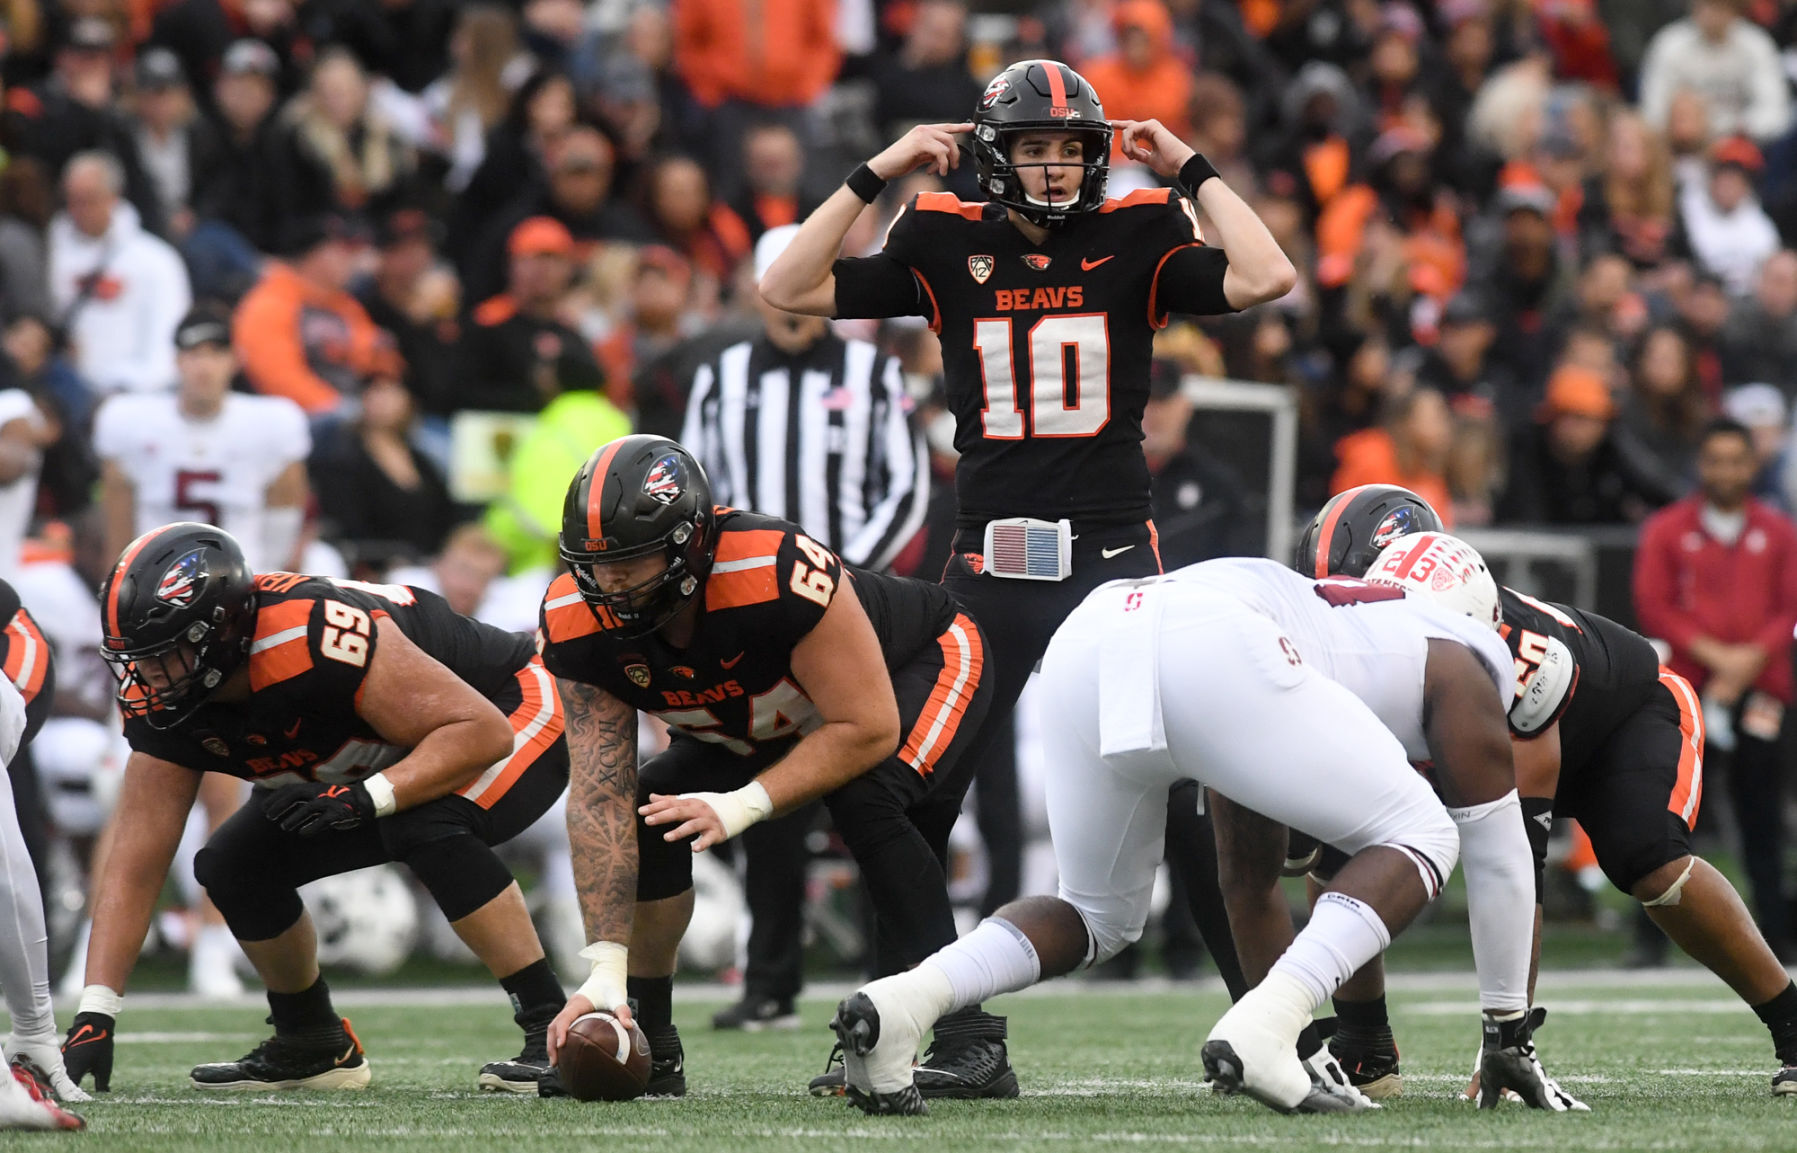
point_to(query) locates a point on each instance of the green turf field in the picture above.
(1669, 1062)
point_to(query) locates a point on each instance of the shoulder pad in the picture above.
(1544, 696)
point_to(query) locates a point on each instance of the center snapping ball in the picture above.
(602, 1060)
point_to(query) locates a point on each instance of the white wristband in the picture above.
(607, 986)
(100, 999)
(738, 810)
(380, 790)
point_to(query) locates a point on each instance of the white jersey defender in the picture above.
(217, 471)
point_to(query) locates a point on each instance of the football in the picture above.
(603, 1061)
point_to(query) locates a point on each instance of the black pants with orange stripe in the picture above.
(895, 818)
(1019, 618)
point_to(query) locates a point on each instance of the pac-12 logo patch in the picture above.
(663, 481)
(638, 674)
(215, 745)
(1398, 522)
(999, 86)
(980, 267)
(1036, 260)
(180, 583)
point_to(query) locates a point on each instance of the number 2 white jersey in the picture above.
(1370, 639)
(217, 471)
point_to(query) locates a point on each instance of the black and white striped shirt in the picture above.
(821, 438)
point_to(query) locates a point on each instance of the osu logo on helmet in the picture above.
(177, 584)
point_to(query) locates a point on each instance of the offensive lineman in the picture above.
(1300, 700)
(777, 688)
(377, 725)
(1048, 289)
(1604, 733)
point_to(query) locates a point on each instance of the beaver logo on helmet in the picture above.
(1398, 522)
(180, 582)
(999, 86)
(663, 481)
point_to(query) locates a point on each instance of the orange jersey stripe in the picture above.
(27, 655)
(963, 660)
(950, 203)
(1139, 196)
(536, 725)
(743, 571)
(596, 492)
(280, 650)
(1687, 792)
(566, 616)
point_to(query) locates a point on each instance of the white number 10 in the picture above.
(1050, 415)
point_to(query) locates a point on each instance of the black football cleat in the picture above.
(1372, 1069)
(1784, 1082)
(526, 1072)
(667, 1064)
(967, 1061)
(330, 1060)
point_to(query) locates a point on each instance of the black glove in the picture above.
(88, 1049)
(309, 809)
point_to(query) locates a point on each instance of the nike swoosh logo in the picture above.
(78, 1039)
(731, 663)
(1089, 265)
(346, 1056)
(293, 732)
(1108, 553)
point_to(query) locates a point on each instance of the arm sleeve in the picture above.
(903, 481)
(878, 286)
(1190, 281)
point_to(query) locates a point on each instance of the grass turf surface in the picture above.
(1679, 1065)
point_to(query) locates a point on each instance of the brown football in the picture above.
(602, 1060)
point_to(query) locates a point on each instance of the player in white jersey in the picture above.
(22, 430)
(205, 453)
(1300, 700)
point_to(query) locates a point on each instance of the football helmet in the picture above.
(638, 496)
(1344, 538)
(1443, 569)
(179, 614)
(1039, 96)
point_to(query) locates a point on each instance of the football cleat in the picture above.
(25, 1105)
(667, 1064)
(1331, 1091)
(754, 1014)
(526, 1072)
(1508, 1064)
(287, 1062)
(967, 1061)
(879, 1083)
(1784, 1082)
(1372, 1070)
(1253, 1050)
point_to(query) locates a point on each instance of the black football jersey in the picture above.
(733, 684)
(314, 638)
(1046, 349)
(1580, 669)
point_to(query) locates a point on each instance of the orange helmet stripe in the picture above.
(596, 490)
(1057, 87)
(118, 570)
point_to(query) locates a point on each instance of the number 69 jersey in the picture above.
(733, 685)
(314, 639)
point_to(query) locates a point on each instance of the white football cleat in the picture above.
(1253, 1050)
(1330, 1089)
(24, 1106)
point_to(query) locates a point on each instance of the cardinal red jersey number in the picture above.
(1343, 591)
(1088, 337)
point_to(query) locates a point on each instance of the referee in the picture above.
(801, 424)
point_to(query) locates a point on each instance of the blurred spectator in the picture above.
(524, 520)
(1628, 206)
(465, 104)
(119, 292)
(1393, 63)
(1409, 447)
(926, 81)
(163, 128)
(773, 180)
(415, 297)
(203, 452)
(681, 210)
(1731, 62)
(22, 432)
(380, 498)
(1220, 129)
(1703, 309)
(1572, 467)
(26, 205)
(1716, 579)
(1574, 31)
(408, 41)
(1760, 409)
(1428, 257)
(652, 324)
(516, 153)
(1145, 79)
(516, 353)
(1312, 157)
(239, 153)
(31, 361)
(299, 333)
(1475, 468)
(1459, 365)
(1349, 402)
(469, 573)
(1724, 225)
(73, 112)
(628, 105)
(1528, 284)
(1759, 342)
(346, 157)
(1665, 408)
(1200, 508)
(744, 60)
(202, 32)
(1606, 301)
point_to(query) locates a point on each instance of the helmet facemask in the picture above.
(644, 607)
(1001, 177)
(167, 682)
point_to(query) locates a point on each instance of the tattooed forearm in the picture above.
(602, 808)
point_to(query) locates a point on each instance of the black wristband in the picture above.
(1195, 172)
(863, 182)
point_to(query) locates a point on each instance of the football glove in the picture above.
(1508, 1064)
(313, 807)
(88, 1049)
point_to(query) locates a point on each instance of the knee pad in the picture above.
(1110, 930)
(1538, 814)
(255, 906)
(461, 872)
(1675, 890)
(1432, 842)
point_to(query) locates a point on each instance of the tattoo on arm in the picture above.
(601, 734)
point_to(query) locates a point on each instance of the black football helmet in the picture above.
(1355, 526)
(637, 496)
(1036, 96)
(179, 613)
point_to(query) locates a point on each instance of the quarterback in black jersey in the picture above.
(377, 726)
(1603, 733)
(784, 676)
